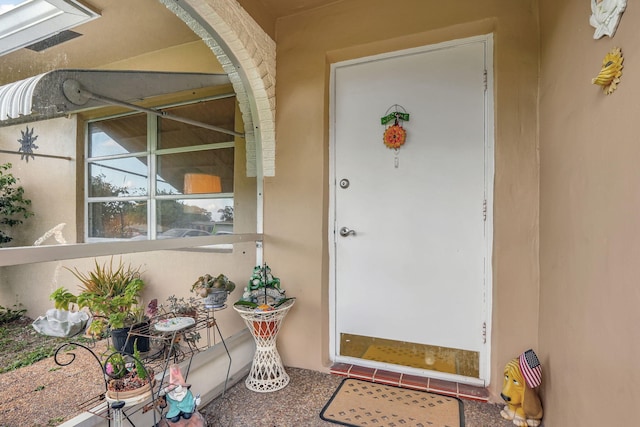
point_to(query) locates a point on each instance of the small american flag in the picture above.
(531, 368)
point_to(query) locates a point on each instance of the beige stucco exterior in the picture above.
(56, 204)
(566, 198)
(55, 187)
(297, 238)
(589, 241)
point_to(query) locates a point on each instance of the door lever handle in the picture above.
(344, 232)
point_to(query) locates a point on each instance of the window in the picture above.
(25, 22)
(150, 177)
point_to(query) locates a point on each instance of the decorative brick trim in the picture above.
(250, 61)
(411, 382)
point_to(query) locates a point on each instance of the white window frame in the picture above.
(152, 153)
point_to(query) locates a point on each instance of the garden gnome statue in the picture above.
(182, 404)
(522, 376)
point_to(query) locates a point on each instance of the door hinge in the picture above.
(484, 79)
(484, 332)
(484, 210)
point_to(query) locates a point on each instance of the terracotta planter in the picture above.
(264, 329)
(142, 393)
(136, 394)
(130, 397)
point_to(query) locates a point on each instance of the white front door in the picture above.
(415, 269)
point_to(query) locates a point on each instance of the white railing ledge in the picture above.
(34, 254)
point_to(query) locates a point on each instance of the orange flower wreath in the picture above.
(394, 136)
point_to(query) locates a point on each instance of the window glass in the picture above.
(117, 220)
(218, 112)
(121, 135)
(196, 172)
(118, 177)
(189, 217)
(178, 178)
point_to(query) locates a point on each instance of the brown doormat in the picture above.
(363, 404)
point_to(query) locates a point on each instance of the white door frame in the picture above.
(485, 356)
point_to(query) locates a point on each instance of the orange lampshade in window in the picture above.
(198, 183)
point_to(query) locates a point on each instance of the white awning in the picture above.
(61, 92)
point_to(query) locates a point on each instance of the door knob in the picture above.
(344, 232)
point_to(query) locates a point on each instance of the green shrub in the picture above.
(8, 315)
(26, 359)
(13, 206)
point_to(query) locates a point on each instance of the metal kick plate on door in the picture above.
(344, 183)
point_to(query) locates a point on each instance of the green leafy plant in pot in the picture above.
(112, 295)
(213, 290)
(127, 376)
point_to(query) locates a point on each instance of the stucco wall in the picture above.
(48, 182)
(589, 234)
(296, 232)
(164, 272)
(51, 185)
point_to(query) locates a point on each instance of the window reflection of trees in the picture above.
(122, 157)
(124, 219)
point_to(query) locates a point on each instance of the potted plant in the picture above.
(112, 295)
(182, 307)
(263, 307)
(213, 290)
(127, 377)
(263, 294)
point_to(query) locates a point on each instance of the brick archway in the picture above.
(248, 56)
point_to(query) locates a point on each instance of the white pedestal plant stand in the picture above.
(267, 372)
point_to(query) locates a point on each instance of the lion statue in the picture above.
(521, 376)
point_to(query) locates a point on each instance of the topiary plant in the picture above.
(13, 206)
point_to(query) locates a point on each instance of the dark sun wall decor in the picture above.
(27, 144)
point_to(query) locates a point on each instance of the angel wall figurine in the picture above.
(605, 15)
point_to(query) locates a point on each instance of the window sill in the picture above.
(34, 254)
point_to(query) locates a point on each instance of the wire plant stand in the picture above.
(267, 371)
(176, 345)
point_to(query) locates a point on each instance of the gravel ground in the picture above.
(47, 390)
(45, 394)
(300, 403)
